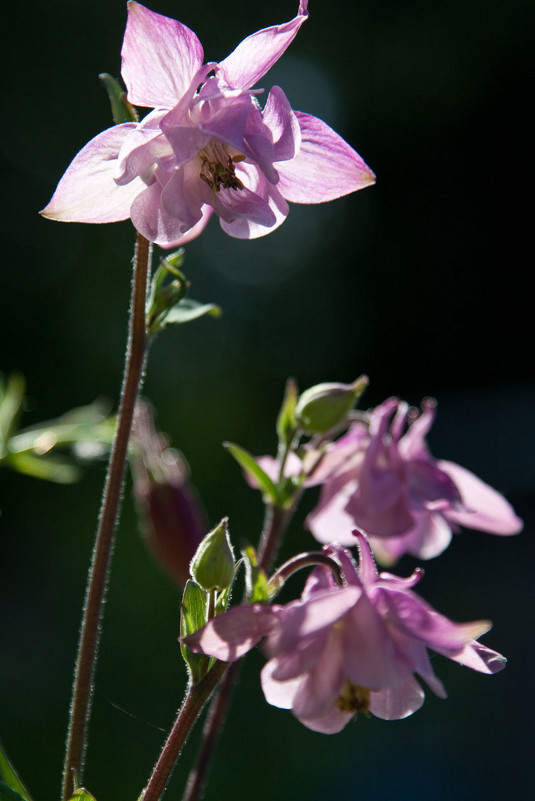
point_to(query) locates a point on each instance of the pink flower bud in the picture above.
(171, 519)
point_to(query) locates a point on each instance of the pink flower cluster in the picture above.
(340, 650)
(380, 477)
(207, 145)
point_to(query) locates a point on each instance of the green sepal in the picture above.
(249, 464)
(121, 109)
(11, 400)
(192, 618)
(256, 581)
(9, 781)
(82, 795)
(286, 421)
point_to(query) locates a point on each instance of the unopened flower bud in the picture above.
(321, 408)
(172, 522)
(213, 564)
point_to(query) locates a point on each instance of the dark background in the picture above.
(419, 281)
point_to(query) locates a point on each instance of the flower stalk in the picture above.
(194, 702)
(82, 693)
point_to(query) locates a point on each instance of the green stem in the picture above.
(188, 713)
(82, 692)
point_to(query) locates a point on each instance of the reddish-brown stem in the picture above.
(82, 692)
(195, 700)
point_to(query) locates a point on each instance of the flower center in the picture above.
(218, 167)
(353, 698)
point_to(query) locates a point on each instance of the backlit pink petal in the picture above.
(233, 634)
(151, 219)
(322, 684)
(486, 509)
(330, 521)
(182, 196)
(325, 168)
(87, 191)
(143, 146)
(195, 231)
(275, 208)
(160, 57)
(283, 124)
(397, 702)
(306, 620)
(480, 658)
(331, 723)
(278, 693)
(297, 662)
(256, 55)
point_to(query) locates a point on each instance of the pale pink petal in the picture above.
(367, 570)
(330, 520)
(325, 168)
(87, 191)
(478, 657)
(321, 686)
(160, 57)
(331, 723)
(397, 702)
(273, 206)
(487, 510)
(278, 693)
(193, 232)
(301, 660)
(181, 196)
(283, 124)
(257, 53)
(231, 635)
(142, 148)
(301, 620)
(152, 221)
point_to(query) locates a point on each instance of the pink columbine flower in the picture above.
(381, 477)
(343, 650)
(207, 145)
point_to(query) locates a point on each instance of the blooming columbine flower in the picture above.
(343, 650)
(207, 145)
(382, 478)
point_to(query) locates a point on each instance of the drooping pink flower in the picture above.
(381, 478)
(343, 650)
(207, 145)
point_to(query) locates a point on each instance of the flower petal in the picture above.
(160, 57)
(151, 219)
(278, 693)
(325, 168)
(87, 191)
(230, 635)
(283, 124)
(257, 53)
(487, 510)
(397, 702)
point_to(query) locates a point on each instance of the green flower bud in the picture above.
(321, 408)
(212, 567)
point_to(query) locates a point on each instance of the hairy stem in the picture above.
(82, 692)
(275, 523)
(195, 700)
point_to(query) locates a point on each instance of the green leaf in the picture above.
(7, 794)
(121, 109)
(188, 309)
(50, 468)
(11, 400)
(248, 463)
(193, 618)
(9, 781)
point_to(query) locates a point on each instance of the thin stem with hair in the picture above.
(82, 692)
